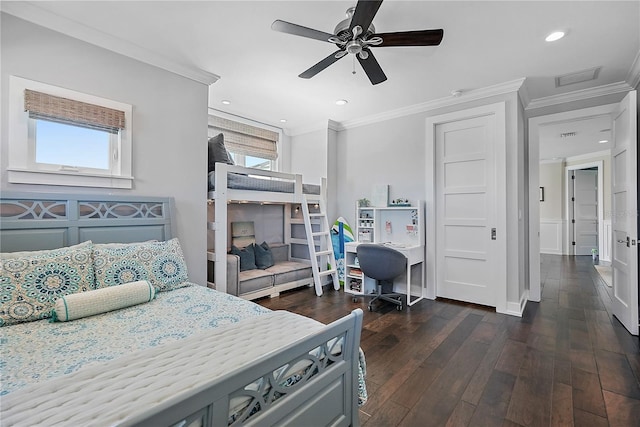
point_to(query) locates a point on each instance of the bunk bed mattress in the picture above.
(244, 182)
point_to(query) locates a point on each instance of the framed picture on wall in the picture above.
(542, 194)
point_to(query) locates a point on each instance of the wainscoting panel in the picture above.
(551, 236)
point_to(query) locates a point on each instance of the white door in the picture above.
(585, 210)
(624, 216)
(467, 162)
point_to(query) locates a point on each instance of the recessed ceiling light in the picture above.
(283, 120)
(603, 141)
(342, 102)
(226, 102)
(556, 35)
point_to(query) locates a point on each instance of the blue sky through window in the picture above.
(62, 144)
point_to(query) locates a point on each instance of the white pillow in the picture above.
(84, 304)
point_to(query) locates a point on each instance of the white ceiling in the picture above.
(485, 44)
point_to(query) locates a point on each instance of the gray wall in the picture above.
(169, 121)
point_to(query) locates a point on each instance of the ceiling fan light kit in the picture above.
(350, 37)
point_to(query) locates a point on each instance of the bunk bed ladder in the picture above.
(323, 256)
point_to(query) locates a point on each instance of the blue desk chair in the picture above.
(383, 264)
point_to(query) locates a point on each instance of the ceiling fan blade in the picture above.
(299, 30)
(321, 65)
(372, 68)
(411, 38)
(364, 13)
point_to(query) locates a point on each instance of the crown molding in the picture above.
(333, 125)
(467, 96)
(314, 127)
(551, 161)
(587, 156)
(525, 98)
(44, 18)
(579, 95)
(633, 78)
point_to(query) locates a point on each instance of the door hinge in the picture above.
(573, 177)
(573, 199)
(573, 243)
(573, 221)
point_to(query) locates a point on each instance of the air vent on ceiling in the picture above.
(567, 134)
(578, 77)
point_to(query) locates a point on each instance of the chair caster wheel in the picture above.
(354, 299)
(370, 308)
(399, 308)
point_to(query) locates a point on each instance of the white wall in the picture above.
(552, 224)
(309, 155)
(552, 179)
(392, 152)
(314, 155)
(388, 152)
(169, 121)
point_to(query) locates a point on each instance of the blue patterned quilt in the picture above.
(36, 351)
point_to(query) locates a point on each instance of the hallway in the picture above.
(443, 363)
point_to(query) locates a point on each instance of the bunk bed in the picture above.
(229, 183)
(223, 361)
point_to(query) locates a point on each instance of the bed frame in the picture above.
(35, 221)
(222, 195)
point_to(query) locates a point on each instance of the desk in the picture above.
(414, 255)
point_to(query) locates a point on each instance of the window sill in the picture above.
(67, 178)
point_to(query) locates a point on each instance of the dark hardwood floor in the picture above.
(566, 362)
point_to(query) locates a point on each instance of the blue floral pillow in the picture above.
(31, 282)
(160, 263)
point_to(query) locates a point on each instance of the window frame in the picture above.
(276, 165)
(22, 166)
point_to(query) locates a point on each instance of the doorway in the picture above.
(536, 129)
(585, 210)
(623, 212)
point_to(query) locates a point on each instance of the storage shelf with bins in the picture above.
(399, 226)
(356, 282)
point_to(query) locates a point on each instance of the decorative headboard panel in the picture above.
(35, 221)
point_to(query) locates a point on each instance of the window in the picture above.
(70, 146)
(63, 137)
(250, 145)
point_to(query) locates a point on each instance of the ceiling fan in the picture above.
(357, 35)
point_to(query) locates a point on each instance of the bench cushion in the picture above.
(289, 271)
(254, 280)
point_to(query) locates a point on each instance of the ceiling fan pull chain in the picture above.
(354, 65)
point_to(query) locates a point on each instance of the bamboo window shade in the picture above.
(246, 139)
(68, 111)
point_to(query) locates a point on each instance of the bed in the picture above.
(190, 356)
(242, 181)
(230, 183)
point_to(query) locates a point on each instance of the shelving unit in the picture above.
(400, 227)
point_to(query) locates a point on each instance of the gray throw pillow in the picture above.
(218, 152)
(247, 257)
(264, 257)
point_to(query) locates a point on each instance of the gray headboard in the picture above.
(35, 221)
